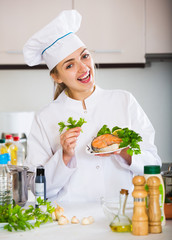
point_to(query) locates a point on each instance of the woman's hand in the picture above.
(126, 156)
(123, 153)
(68, 141)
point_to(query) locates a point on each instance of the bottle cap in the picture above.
(4, 158)
(40, 171)
(2, 140)
(124, 191)
(152, 169)
(8, 136)
(16, 138)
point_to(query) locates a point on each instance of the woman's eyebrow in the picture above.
(68, 60)
(83, 51)
(71, 59)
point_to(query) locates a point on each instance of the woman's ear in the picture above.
(56, 78)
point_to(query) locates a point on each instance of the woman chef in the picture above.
(71, 173)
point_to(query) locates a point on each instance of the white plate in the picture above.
(90, 151)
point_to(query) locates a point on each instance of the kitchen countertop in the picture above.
(99, 230)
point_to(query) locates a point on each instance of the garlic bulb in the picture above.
(57, 213)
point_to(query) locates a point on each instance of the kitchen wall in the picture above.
(30, 90)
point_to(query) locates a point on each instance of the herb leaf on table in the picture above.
(17, 218)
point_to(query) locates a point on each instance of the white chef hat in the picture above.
(55, 41)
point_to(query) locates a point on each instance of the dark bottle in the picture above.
(40, 184)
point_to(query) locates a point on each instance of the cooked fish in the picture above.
(105, 143)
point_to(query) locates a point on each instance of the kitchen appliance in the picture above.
(167, 177)
(21, 178)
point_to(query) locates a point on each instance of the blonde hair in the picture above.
(59, 87)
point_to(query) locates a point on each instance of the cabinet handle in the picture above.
(107, 51)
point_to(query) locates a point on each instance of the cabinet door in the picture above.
(114, 30)
(20, 19)
(158, 26)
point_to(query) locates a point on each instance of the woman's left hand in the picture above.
(123, 153)
(68, 141)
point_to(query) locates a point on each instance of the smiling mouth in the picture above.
(85, 78)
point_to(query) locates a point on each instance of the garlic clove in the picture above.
(74, 220)
(85, 221)
(63, 220)
(91, 219)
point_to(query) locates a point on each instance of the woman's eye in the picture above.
(69, 66)
(86, 55)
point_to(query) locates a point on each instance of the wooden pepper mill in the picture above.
(154, 211)
(140, 217)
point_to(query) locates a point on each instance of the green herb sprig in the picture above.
(71, 124)
(129, 138)
(104, 130)
(17, 218)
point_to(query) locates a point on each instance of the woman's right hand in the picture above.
(68, 141)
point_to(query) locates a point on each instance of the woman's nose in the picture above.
(82, 67)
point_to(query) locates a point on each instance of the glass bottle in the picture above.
(17, 151)
(6, 193)
(40, 184)
(121, 222)
(3, 148)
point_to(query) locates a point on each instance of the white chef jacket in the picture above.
(87, 177)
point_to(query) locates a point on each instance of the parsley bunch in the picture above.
(71, 124)
(129, 138)
(17, 218)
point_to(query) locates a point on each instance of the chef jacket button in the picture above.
(97, 166)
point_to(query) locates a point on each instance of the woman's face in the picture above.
(77, 72)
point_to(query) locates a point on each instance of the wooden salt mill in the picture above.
(154, 211)
(140, 218)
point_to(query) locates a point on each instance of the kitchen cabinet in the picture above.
(113, 30)
(20, 19)
(158, 26)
